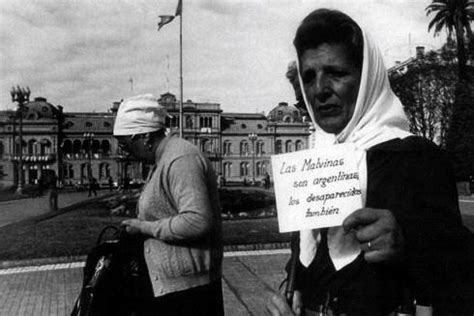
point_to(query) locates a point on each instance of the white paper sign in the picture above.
(316, 188)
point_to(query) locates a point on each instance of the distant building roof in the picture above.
(93, 122)
(38, 109)
(285, 113)
(258, 116)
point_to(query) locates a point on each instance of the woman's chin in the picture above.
(331, 126)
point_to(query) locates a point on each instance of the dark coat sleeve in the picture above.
(438, 248)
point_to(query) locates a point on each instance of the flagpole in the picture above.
(181, 73)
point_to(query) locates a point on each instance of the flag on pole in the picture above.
(165, 19)
(179, 8)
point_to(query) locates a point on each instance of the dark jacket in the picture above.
(413, 179)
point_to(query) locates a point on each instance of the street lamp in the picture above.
(253, 138)
(21, 96)
(89, 137)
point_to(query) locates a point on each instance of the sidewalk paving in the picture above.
(248, 278)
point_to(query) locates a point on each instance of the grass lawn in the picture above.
(75, 233)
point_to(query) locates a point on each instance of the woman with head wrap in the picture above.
(402, 246)
(178, 213)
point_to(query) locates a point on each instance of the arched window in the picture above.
(45, 147)
(85, 146)
(278, 149)
(298, 145)
(244, 169)
(227, 148)
(95, 146)
(67, 147)
(244, 148)
(227, 169)
(104, 170)
(258, 168)
(105, 147)
(84, 170)
(68, 171)
(76, 146)
(71, 171)
(260, 145)
(206, 145)
(189, 121)
(288, 146)
(32, 150)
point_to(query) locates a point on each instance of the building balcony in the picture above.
(79, 156)
(34, 158)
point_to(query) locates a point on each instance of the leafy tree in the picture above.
(427, 92)
(455, 16)
(460, 137)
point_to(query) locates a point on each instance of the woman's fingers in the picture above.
(297, 303)
(360, 217)
(377, 231)
(277, 306)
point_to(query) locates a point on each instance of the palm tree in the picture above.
(455, 16)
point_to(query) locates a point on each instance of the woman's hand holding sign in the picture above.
(378, 232)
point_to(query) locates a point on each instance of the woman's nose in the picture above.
(321, 88)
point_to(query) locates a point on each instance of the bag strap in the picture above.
(104, 230)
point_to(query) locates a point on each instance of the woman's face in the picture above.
(331, 83)
(132, 146)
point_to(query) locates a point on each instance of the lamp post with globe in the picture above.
(21, 96)
(253, 138)
(89, 137)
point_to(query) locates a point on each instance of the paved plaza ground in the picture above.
(248, 278)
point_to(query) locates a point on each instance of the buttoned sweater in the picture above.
(180, 201)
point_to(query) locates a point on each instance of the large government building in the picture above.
(78, 146)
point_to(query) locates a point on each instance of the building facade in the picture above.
(78, 146)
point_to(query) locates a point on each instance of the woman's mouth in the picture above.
(328, 109)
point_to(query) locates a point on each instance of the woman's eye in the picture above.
(308, 76)
(337, 73)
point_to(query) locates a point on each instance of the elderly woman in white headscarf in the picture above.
(403, 245)
(178, 214)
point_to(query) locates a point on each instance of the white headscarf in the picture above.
(378, 117)
(138, 115)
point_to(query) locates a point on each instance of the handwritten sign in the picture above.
(316, 188)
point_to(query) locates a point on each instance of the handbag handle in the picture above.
(104, 230)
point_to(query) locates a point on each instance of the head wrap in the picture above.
(138, 115)
(378, 117)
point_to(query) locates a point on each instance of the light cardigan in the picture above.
(180, 203)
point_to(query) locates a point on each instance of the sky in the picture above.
(87, 54)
